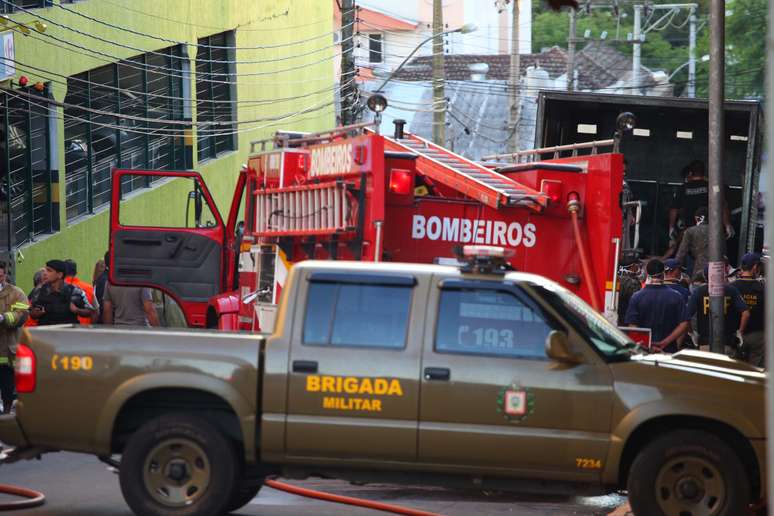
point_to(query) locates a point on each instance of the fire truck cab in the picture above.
(355, 194)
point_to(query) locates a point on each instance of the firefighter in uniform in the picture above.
(13, 314)
(753, 293)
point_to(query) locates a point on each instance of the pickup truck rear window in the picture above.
(491, 322)
(365, 315)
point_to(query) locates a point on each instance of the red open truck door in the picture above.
(181, 254)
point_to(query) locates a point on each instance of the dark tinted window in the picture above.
(491, 322)
(357, 315)
(375, 48)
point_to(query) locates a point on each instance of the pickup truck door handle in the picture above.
(437, 373)
(304, 366)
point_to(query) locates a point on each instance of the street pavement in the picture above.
(80, 485)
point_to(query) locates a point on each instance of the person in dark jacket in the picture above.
(57, 302)
(656, 307)
(753, 292)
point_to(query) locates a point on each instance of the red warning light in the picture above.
(553, 189)
(401, 181)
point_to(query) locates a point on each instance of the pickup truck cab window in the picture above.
(605, 338)
(373, 313)
(486, 321)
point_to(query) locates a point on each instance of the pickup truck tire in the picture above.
(242, 497)
(178, 465)
(688, 472)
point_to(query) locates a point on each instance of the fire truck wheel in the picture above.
(242, 496)
(178, 465)
(688, 472)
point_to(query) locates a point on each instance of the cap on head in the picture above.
(655, 267)
(57, 265)
(701, 213)
(672, 264)
(750, 260)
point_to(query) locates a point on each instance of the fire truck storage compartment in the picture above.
(670, 133)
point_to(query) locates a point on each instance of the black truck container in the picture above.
(670, 133)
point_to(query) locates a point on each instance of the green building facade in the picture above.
(144, 84)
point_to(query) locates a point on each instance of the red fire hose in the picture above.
(328, 497)
(31, 498)
(573, 206)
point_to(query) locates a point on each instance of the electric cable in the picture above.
(162, 131)
(178, 42)
(171, 56)
(111, 59)
(149, 95)
(274, 16)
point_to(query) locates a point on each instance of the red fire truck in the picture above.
(353, 193)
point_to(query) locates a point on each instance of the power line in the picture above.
(158, 38)
(152, 52)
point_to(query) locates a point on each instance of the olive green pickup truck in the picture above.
(397, 373)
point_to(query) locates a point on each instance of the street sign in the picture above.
(8, 60)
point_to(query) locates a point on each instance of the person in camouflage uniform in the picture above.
(629, 279)
(695, 242)
(14, 311)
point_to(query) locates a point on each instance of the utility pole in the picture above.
(636, 50)
(571, 53)
(347, 85)
(439, 102)
(717, 269)
(692, 53)
(513, 141)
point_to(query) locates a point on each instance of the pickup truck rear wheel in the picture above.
(242, 497)
(688, 473)
(178, 465)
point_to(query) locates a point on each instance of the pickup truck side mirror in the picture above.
(557, 348)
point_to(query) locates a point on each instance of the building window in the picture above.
(130, 93)
(26, 206)
(19, 5)
(215, 96)
(375, 48)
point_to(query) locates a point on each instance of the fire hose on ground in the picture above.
(359, 502)
(30, 498)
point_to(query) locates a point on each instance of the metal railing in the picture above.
(557, 151)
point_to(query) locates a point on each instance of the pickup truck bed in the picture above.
(93, 376)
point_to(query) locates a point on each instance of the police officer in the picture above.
(691, 196)
(13, 314)
(629, 279)
(673, 275)
(753, 292)
(657, 307)
(735, 316)
(57, 302)
(695, 243)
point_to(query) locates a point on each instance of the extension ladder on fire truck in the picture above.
(311, 209)
(467, 177)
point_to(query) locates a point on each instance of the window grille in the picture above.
(214, 96)
(26, 207)
(148, 86)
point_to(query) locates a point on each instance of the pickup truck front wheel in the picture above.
(688, 472)
(178, 465)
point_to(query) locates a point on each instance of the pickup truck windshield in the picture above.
(606, 338)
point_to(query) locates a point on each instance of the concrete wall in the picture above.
(297, 70)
